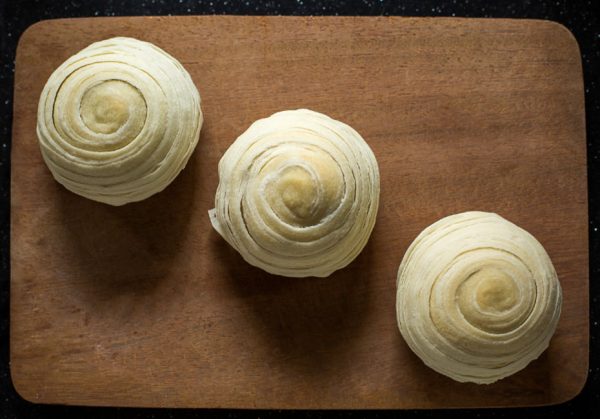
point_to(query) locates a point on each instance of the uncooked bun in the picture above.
(478, 297)
(118, 121)
(298, 194)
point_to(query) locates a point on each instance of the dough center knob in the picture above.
(107, 106)
(298, 191)
(495, 290)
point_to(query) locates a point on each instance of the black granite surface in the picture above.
(581, 17)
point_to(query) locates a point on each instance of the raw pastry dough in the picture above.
(478, 297)
(118, 121)
(298, 194)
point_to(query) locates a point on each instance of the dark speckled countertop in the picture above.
(581, 17)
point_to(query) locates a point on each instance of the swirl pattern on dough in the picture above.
(298, 194)
(478, 297)
(118, 121)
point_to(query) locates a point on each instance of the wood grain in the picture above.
(145, 305)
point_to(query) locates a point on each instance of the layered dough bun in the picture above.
(478, 297)
(118, 121)
(298, 194)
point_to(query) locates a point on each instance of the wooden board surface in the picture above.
(145, 305)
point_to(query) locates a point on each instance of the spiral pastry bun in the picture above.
(298, 194)
(118, 121)
(478, 297)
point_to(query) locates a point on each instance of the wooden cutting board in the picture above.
(145, 305)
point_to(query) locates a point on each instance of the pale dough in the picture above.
(478, 297)
(298, 194)
(118, 121)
